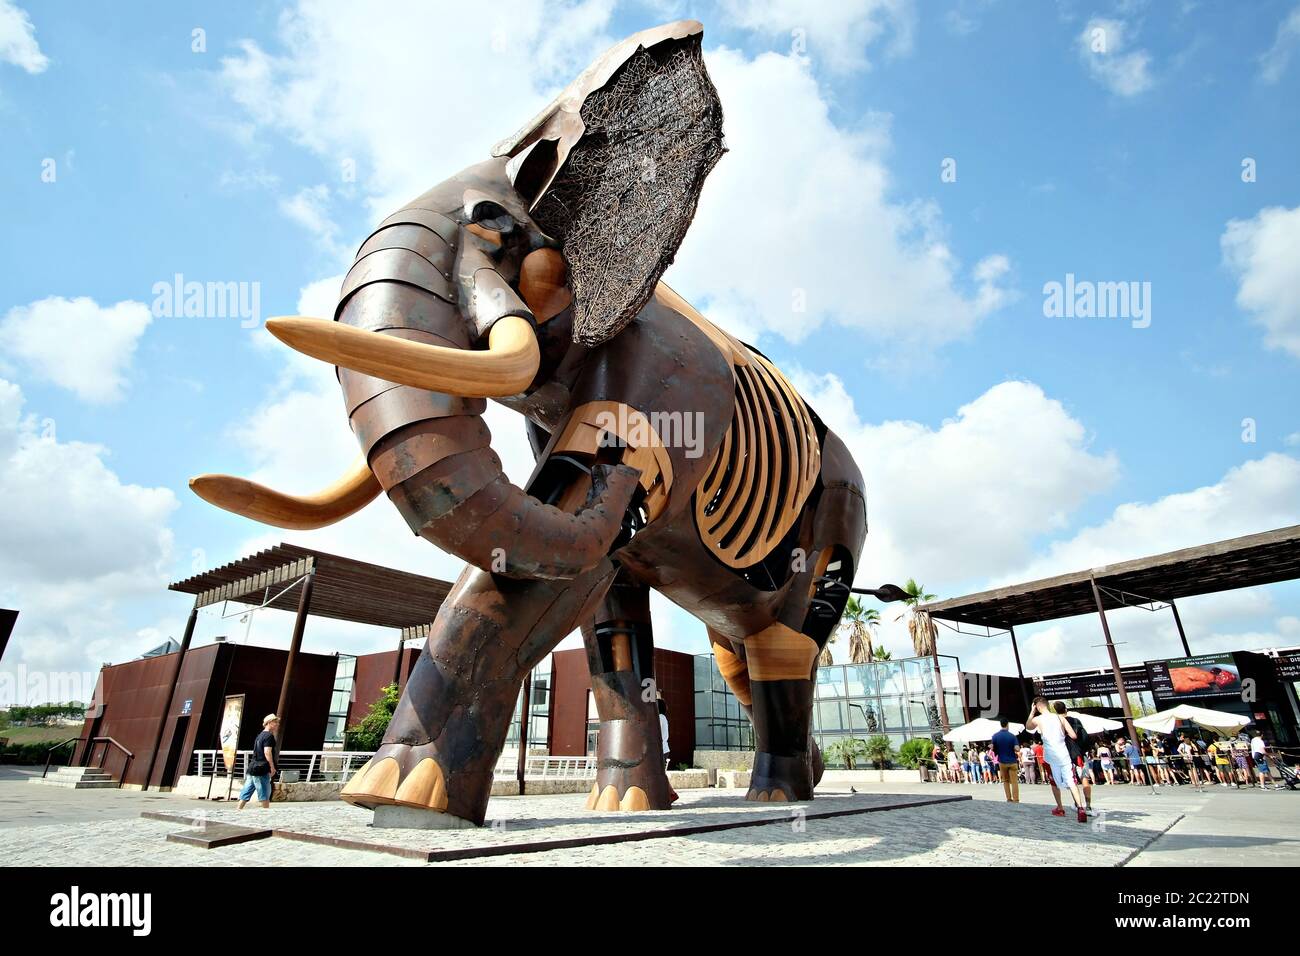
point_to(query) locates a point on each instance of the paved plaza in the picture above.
(882, 825)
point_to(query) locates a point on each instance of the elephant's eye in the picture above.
(484, 211)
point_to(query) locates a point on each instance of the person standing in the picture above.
(1107, 767)
(1137, 774)
(1027, 763)
(954, 766)
(1076, 745)
(1259, 754)
(263, 765)
(663, 735)
(1054, 731)
(1004, 746)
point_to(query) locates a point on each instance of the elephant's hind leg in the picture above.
(447, 732)
(620, 652)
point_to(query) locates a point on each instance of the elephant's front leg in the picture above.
(620, 652)
(445, 737)
(786, 761)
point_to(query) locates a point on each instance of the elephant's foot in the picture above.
(630, 774)
(609, 797)
(778, 779)
(408, 777)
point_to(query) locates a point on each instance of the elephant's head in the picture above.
(482, 286)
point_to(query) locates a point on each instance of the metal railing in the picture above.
(108, 742)
(311, 766)
(544, 768)
(49, 754)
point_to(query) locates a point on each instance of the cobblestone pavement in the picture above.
(1136, 827)
(980, 832)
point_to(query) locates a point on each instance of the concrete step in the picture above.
(75, 784)
(83, 773)
(77, 778)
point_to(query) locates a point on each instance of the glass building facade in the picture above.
(720, 724)
(894, 698)
(539, 711)
(340, 699)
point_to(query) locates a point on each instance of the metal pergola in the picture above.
(306, 581)
(1153, 583)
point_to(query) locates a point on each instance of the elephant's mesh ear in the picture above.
(622, 202)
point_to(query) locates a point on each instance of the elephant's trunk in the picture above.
(430, 450)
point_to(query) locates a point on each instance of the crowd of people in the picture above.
(1055, 750)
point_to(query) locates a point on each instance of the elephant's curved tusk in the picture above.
(352, 492)
(507, 367)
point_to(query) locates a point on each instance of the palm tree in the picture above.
(925, 638)
(883, 655)
(879, 750)
(824, 659)
(919, 625)
(858, 620)
(845, 750)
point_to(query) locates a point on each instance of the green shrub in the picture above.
(916, 753)
(369, 734)
(30, 755)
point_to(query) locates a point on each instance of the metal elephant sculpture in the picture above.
(669, 454)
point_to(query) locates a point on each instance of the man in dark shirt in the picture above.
(1004, 745)
(262, 764)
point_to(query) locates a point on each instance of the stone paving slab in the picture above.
(545, 823)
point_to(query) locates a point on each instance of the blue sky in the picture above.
(999, 444)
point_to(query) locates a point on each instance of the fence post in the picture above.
(310, 767)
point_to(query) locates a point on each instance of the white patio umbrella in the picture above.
(1163, 722)
(981, 728)
(1094, 724)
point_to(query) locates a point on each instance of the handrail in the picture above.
(125, 764)
(49, 754)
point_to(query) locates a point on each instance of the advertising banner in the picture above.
(232, 715)
(1184, 678)
(1074, 686)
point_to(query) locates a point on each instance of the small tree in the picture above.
(369, 734)
(846, 750)
(879, 750)
(916, 753)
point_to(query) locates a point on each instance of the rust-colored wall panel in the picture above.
(375, 672)
(570, 682)
(675, 675)
(134, 696)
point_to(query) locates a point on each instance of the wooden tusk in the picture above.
(507, 367)
(352, 492)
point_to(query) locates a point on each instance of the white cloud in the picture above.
(967, 500)
(309, 208)
(77, 344)
(838, 33)
(757, 257)
(75, 542)
(1258, 495)
(369, 84)
(1273, 63)
(18, 39)
(1264, 255)
(1104, 46)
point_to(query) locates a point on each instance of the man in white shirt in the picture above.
(1053, 729)
(1259, 753)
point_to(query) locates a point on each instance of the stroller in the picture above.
(1289, 776)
